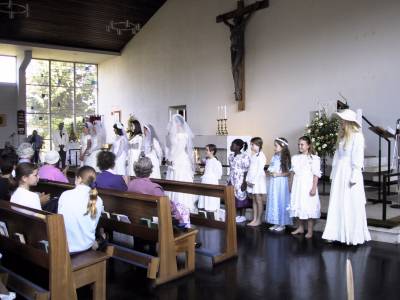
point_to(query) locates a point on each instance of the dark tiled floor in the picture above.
(274, 266)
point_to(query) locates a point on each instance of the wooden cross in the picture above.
(236, 21)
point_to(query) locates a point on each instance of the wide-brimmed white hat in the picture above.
(51, 157)
(349, 115)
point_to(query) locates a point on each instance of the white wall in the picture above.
(298, 53)
(8, 102)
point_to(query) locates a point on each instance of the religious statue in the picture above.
(236, 21)
(237, 28)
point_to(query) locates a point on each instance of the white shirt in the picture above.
(62, 139)
(27, 198)
(80, 228)
(212, 171)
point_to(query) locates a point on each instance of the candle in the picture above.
(218, 112)
(224, 111)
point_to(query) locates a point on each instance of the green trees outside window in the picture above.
(59, 91)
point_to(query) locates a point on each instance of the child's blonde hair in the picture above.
(88, 177)
(347, 128)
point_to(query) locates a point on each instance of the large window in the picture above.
(59, 91)
(8, 69)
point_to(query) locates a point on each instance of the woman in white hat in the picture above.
(347, 221)
(50, 171)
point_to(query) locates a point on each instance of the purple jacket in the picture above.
(108, 180)
(145, 186)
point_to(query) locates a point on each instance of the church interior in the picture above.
(181, 100)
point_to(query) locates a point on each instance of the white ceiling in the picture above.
(56, 53)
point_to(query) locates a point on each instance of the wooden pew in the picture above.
(161, 268)
(65, 273)
(226, 193)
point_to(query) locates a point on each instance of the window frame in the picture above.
(50, 113)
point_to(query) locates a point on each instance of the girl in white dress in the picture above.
(151, 148)
(257, 180)
(97, 141)
(120, 149)
(347, 221)
(135, 145)
(180, 158)
(304, 199)
(212, 175)
(86, 144)
(26, 175)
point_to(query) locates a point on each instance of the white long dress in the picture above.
(135, 145)
(302, 205)
(212, 175)
(256, 174)
(347, 221)
(94, 151)
(181, 170)
(155, 156)
(84, 144)
(119, 149)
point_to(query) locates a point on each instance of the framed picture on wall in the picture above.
(117, 115)
(3, 120)
(180, 110)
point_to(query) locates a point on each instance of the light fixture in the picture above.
(11, 9)
(120, 27)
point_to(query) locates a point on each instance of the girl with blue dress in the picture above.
(278, 193)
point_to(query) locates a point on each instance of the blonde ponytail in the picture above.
(91, 206)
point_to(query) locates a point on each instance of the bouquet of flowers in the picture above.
(130, 125)
(323, 132)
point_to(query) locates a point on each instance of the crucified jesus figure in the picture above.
(237, 28)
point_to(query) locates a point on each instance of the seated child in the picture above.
(81, 208)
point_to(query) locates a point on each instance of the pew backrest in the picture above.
(36, 226)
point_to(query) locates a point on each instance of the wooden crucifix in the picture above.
(236, 21)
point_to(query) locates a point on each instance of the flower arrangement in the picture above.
(130, 125)
(323, 132)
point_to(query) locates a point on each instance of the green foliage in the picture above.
(323, 132)
(67, 90)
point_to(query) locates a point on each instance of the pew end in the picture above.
(64, 273)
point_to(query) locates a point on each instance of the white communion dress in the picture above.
(119, 148)
(212, 175)
(94, 151)
(302, 205)
(347, 221)
(181, 169)
(135, 145)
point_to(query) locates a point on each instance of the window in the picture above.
(59, 91)
(8, 69)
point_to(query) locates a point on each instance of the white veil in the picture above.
(176, 125)
(125, 143)
(148, 139)
(100, 132)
